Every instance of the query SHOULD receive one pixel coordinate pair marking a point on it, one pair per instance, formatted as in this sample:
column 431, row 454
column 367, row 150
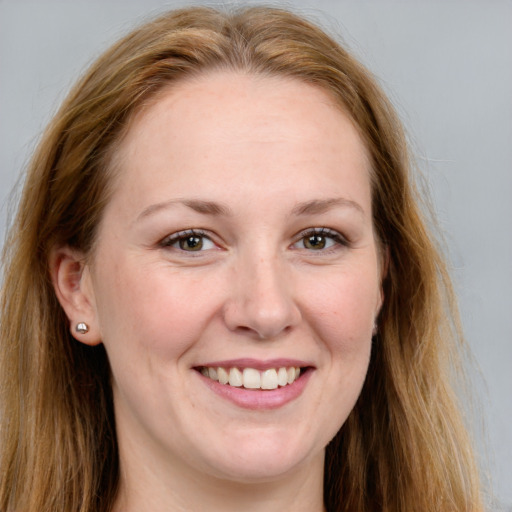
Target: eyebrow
column 318, row 206
column 198, row 205
column 315, row 206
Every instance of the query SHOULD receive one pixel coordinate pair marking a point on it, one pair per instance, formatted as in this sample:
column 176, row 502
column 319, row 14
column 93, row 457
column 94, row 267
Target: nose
column 261, row 301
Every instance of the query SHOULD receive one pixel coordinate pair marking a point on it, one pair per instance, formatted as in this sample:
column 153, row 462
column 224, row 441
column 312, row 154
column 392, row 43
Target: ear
column 384, row 269
column 71, row 280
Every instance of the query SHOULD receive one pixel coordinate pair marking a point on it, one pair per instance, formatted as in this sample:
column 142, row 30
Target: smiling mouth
column 251, row 378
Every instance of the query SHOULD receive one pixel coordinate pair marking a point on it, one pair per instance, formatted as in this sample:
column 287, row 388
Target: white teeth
column 223, row 375
column 235, row 377
column 269, row 379
column 250, row 378
column 282, row 377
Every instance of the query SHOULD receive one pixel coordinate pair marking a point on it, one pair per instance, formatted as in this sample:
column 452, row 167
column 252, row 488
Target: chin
column 270, row 458
column 246, row 471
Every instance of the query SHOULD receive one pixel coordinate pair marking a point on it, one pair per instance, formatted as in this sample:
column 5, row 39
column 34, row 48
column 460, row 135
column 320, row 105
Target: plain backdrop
column 447, row 66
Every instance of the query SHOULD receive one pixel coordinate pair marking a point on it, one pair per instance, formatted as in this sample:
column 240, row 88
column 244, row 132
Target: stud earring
column 375, row 328
column 82, row 328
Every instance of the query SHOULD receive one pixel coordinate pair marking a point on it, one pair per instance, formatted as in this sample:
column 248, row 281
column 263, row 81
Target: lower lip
column 258, row 399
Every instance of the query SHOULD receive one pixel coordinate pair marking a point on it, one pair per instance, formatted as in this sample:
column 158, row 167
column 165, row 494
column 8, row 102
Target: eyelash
column 325, row 233
column 176, row 238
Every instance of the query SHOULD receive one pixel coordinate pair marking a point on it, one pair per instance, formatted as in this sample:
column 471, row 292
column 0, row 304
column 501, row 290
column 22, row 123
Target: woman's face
column 239, row 236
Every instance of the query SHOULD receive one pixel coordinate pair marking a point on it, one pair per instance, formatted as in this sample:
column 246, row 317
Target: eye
column 319, row 239
column 188, row 241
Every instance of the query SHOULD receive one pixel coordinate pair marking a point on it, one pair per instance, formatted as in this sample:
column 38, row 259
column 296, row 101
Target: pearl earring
column 82, row 328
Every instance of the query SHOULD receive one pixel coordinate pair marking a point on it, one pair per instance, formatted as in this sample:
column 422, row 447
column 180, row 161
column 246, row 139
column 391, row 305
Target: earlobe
column 72, row 284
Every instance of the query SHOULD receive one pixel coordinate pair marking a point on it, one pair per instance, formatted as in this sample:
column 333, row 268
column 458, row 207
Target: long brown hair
column 404, row 446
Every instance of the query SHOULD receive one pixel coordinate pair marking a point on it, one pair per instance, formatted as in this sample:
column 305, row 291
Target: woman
column 220, row 292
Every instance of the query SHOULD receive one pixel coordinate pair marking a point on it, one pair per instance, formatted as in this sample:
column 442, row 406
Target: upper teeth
column 251, row 378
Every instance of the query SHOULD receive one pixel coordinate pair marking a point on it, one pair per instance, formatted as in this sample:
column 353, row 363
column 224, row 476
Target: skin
column 262, row 148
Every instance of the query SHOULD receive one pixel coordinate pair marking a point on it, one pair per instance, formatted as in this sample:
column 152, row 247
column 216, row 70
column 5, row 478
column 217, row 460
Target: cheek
column 342, row 313
column 152, row 309
column 343, row 307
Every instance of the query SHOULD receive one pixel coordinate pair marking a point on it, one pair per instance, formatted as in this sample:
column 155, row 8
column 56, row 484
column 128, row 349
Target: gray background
column 447, row 66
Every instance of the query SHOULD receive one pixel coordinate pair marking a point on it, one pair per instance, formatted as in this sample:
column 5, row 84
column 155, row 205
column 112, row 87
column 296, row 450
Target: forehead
column 232, row 127
column 204, row 97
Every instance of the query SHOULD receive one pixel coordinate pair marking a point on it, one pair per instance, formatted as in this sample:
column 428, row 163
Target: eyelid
column 173, row 238
column 336, row 236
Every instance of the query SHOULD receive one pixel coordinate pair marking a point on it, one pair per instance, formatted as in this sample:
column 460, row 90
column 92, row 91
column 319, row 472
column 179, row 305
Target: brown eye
column 191, row 243
column 315, row 242
column 188, row 241
column 320, row 240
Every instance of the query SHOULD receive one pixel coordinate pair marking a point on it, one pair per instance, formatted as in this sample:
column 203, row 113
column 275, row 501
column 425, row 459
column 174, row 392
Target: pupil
column 315, row 242
column 191, row 243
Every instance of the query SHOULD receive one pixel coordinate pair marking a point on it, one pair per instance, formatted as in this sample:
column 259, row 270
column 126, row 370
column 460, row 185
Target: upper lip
column 257, row 364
